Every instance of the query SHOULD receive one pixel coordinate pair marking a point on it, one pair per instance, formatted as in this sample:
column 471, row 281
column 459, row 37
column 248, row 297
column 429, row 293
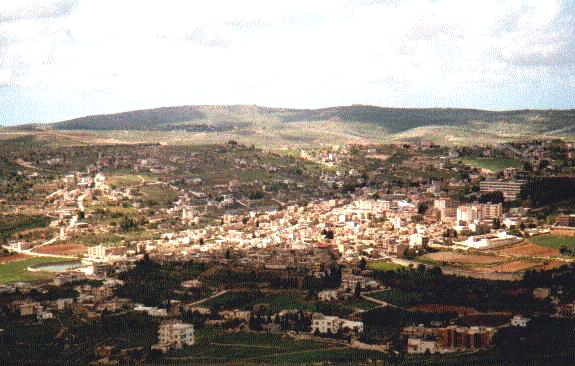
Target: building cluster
column 448, row 339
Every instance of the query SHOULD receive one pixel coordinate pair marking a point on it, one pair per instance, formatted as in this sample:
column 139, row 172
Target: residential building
column 509, row 188
column 324, row 324
column 519, row 321
column 174, row 334
column 420, row 346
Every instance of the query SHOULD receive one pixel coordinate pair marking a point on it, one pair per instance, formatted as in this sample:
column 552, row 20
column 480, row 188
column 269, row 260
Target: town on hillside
column 401, row 253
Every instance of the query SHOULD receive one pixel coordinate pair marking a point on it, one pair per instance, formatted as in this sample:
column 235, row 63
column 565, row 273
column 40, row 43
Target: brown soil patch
column 62, row 249
column 439, row 308
column 525, row 249
column 463, row 258
column 13, row 258
column 513, row 266
column 552, row 265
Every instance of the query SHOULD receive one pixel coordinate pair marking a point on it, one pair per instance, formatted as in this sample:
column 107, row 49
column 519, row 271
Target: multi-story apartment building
column 470, row 213
column 465, row 337
column 492, row 211
column 509, row 188
column 174, row 334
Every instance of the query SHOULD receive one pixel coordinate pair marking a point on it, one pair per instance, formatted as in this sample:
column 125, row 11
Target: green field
column 12, row 224
column 553, row 241
column 495, row 165
column 398, row 298
column 18, row 271
column 383, row 265
column 276, row 302
column 217, row 346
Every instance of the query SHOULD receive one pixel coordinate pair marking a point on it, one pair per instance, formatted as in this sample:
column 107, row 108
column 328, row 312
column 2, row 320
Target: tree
column 362, row 264
column 228, row 254
column 357, row 291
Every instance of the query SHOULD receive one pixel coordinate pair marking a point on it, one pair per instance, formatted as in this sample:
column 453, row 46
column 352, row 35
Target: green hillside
column 335, row 125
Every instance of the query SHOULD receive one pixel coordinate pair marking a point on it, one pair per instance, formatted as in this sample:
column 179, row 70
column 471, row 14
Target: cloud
column 418, row 53
column 26, row 10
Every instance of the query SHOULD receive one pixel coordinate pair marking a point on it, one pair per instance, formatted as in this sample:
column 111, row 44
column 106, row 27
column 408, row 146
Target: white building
column 327, row 295
column 324, row 324
column 97, row 251
column 470, row 213
column 419, row 346
column 174, row 334
column 519, row 321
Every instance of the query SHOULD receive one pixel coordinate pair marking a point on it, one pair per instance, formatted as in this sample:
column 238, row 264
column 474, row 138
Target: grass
column 217, row 346
column 12, row 224
column 495, row 165
column 398, row 297
column 383, row 265
column 158, row 196
column 18, row 271
column 122, row 181
column 553, row 241
column 276, row 302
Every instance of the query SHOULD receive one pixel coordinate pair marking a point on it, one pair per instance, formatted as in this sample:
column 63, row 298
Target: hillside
column 284, row 126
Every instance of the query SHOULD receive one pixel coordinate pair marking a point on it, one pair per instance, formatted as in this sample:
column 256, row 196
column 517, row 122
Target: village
column 331, row 251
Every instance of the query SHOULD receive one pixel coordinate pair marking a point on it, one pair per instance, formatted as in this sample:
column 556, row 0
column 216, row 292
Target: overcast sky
column 61, row 59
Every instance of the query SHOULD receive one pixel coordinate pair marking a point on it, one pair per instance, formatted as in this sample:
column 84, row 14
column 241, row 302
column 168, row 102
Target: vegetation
column 554, row 241
column 18, row 271
column 12, row 224
column 383, row 265
column 398, row 297
column 494, row 165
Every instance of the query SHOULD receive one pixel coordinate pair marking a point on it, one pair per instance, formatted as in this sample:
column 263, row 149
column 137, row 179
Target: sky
column 61, row 59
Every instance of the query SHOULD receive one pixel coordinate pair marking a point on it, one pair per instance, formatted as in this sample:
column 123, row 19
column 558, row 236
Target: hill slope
column 337, row 124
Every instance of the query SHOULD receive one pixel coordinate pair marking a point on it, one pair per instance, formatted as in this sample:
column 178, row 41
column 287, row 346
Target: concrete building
column 509, row 188
column 324, row 324
column 174, row 334
column 420, row 346
column 492, row 211
column 519, row 321
column 465, row 337
column 470, row 213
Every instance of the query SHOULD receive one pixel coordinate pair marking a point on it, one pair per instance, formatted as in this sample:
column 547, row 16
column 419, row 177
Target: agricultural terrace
column 218, row 346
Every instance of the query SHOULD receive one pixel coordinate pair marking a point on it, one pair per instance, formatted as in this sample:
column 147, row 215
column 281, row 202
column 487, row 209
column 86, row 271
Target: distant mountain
column 331, row 125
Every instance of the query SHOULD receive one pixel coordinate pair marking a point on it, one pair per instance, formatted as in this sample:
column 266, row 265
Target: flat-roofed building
column 509, row 188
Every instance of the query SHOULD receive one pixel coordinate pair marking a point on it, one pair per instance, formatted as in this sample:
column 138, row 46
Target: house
column 567, row 309
column 174, row 334
column 324, row 324
column 519, row 321
column 43, row 315
column 327, row 295
column 63, row 303
column 242, row 315
column 541, row 293
column 420, row 346
column 25, row 307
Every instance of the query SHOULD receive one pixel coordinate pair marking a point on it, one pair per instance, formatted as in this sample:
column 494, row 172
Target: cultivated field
column 527, row 249
column 383, row 265
column 554, row 241
column 512, row 266
column 216, row 347
column 18, row 271
column 62, row 249
column 452, row 257
column 13, row 258
column 439, row 308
